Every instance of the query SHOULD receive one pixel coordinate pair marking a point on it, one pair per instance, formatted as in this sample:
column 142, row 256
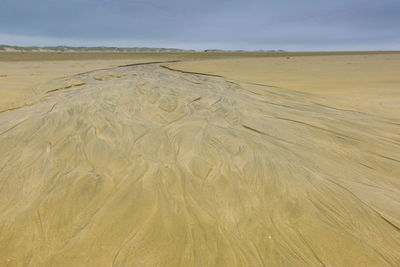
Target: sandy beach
column 231, row 161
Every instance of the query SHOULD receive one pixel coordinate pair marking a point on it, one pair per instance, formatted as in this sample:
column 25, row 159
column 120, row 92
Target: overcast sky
column 294, row 25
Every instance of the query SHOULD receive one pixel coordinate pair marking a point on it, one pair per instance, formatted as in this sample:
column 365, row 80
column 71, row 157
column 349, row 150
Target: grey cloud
column 289, row 24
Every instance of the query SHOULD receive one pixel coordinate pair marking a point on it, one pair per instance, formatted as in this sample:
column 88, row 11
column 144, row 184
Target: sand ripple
column 145, row 166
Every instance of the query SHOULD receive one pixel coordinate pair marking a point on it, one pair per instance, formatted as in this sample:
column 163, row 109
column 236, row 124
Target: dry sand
column 21, row 81
column 369, row 83
column 146, row 166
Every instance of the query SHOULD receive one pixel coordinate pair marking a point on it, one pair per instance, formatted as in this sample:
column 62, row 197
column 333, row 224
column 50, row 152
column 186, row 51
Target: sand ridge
column 146, row 166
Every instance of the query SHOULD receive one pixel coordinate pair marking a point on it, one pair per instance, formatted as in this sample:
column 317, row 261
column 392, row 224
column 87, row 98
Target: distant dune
column 156, row 165
column 103, row 49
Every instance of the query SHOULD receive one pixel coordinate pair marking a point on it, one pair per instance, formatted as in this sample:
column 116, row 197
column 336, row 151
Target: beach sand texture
column 149, row 166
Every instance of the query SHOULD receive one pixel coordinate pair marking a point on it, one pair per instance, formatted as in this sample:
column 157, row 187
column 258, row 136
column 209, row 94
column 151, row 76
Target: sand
column 368, row 83
column 21, row 81
column 148, row 166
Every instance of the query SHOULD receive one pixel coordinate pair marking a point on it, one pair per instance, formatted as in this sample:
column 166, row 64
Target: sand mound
column 144, row 166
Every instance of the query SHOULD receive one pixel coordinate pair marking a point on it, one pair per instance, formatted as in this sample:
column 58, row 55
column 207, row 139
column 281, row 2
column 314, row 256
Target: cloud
column 289, row 24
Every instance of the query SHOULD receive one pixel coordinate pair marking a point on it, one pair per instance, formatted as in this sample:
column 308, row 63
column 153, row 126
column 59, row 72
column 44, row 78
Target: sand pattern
column 146, row 166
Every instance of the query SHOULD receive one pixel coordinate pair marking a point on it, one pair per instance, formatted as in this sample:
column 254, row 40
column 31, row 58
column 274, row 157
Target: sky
column 292, row 25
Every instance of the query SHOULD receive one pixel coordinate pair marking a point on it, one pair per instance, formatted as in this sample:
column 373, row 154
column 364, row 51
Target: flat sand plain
column 367, row 83
column 273, row 164
column 21, row 81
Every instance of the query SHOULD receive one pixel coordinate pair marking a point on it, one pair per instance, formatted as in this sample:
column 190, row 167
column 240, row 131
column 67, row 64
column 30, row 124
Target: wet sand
column 150, row 166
